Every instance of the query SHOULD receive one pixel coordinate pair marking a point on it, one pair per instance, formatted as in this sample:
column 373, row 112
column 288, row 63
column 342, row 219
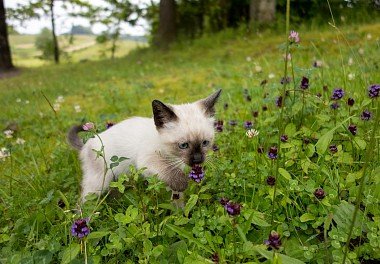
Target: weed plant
column 294, row 175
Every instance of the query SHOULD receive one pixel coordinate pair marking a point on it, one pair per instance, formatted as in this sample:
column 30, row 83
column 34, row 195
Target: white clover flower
column 4, row 153
column 18, row 100
column 361, row 51
column 56, row 107
column 8, row 133
column 258, row 68
column 252, row 133
column 271, row 75
column 77, row 108
column 369, row 36
column 60, row 99
column 248, row 58
column 350, row 61
column 20, row 141
column 26, row 101
column 351, row 76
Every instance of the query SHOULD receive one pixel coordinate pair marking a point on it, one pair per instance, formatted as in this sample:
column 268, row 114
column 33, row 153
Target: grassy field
column 83, row 47
column 306, row 195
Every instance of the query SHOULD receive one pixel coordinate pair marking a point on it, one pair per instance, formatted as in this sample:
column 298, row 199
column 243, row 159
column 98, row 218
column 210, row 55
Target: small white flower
column 258, row 68
column 271, row 75
column 60, row 99
column 318, row 63
column 4, row 153
column 369, row 36
column 20, row 141
column 18, row 100
column 350, row 61
column 8, row 133
column 361, row 51
column 26, row 101
column 248, row 58
column 77, row 108
column 252, row 133
column 351, row 76
column 161, row 91
column 56, row 107
column 342, row 18
column 41, row 114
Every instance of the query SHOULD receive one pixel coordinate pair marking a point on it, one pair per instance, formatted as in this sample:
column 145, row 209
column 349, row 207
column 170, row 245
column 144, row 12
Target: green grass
column 45, row 170
column 83, row 47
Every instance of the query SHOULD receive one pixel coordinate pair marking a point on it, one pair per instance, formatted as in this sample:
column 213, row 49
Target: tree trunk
column 5, row 51
column 55, row 42
column 166, row 32
column 262, row 11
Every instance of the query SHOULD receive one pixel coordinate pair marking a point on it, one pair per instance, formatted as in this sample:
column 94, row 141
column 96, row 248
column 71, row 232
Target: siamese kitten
column 176, row 136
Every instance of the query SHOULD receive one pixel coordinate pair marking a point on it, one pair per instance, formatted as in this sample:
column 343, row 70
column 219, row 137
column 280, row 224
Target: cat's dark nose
column 197, row 158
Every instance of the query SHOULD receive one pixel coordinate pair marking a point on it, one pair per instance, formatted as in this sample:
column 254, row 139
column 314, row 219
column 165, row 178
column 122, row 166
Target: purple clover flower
column 232, row 122
column 223, row 201
column 285, row 80
column 374, row 90
column 219, row 126
column 353, row 129
column 338, row 93
column 272, row 153
column 333, row 148
column 233, row 208
column 350, row 101
column 197, row 173
column 319, row 193
column 284, row 138
column 248, row 124
column 366, row 115
column 109, row 124
column 274, row 240
column 304, row 83
column 88, row 126
column 80, row 228
column 279, row 101
column 215, row 147
column 294, row 37
column 271, row 181
column 334, row 105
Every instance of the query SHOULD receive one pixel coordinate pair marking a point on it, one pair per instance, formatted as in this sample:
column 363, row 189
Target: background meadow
column 289, row 160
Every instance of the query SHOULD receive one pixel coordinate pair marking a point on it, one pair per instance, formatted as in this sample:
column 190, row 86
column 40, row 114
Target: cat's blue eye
column 205, row 143
column 183, row 145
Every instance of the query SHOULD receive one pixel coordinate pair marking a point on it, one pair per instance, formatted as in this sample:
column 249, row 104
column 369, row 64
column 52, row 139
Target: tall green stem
column 359, row 196
column 280, row 126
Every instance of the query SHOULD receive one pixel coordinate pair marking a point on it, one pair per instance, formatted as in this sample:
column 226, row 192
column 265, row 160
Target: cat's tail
column 72, row 137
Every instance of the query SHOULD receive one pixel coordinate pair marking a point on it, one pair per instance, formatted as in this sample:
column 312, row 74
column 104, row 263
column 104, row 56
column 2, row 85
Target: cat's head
column 187, row 130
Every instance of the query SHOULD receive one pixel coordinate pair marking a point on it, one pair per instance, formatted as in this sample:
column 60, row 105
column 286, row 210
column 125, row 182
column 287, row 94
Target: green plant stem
column 280, row 126
column 85, row 252
column 233, row 234
column 359, row 196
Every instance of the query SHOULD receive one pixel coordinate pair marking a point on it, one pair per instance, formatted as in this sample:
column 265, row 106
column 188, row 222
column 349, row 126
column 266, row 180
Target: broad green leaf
column 114, row 164
column 359, row 143
column 290, row 129
column 190, row 204
column 114, row 158
column 324, row 141
column 122, row 159
column 97, row 234
column 186, row 234
column 307, row 217
column 70, row 253
column 284, row 173
column 241, row 233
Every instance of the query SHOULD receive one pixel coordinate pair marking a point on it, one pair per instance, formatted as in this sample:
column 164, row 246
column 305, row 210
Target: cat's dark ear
column 162, row 114
column 209, row 103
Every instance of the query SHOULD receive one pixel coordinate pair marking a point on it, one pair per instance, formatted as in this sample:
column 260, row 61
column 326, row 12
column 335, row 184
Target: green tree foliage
column 44, row 43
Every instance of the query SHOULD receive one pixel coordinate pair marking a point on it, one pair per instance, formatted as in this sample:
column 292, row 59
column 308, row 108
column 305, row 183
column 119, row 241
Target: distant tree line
column 172, row 20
